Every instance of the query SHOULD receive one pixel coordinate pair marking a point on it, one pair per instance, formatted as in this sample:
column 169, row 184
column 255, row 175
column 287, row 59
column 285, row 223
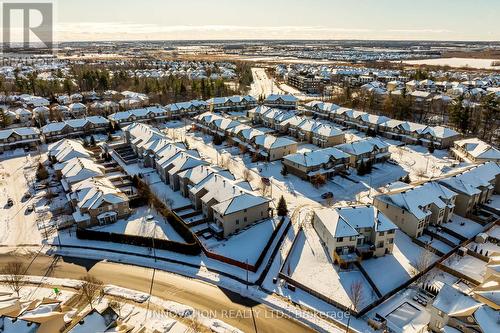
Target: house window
column 380, row 244
column 391, row 240
column 381, row 233
column 237, row 221
column 390, row 232
column 245, row 219
column 244, row 210
column 340, row 239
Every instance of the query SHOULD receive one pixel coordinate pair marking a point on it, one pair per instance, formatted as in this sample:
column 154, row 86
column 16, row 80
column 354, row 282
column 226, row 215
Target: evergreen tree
column 282, row 209
column 284, row 170
column 41, row 172
column 361, row 168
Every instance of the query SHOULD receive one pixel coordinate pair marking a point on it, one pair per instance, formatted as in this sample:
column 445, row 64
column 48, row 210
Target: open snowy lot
column 144, row 222
column 309, row 264
column 246, row 245
column 420, row 164
column 390, row 271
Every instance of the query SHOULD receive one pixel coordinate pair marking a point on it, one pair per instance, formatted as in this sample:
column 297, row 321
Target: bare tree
column 420, row 172
column 424, row 260
column 356, row 294
column 14, row 272
column 247, row 175
column 91, row 289
column 117, row 306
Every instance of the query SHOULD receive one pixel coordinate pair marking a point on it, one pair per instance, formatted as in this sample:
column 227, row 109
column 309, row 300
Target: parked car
column 40, row 187
column 10, row 202
column 27, row 195
column 30, row 209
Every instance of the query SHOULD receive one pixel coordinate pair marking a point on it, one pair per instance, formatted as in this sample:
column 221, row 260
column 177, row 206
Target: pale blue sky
column 269, row 19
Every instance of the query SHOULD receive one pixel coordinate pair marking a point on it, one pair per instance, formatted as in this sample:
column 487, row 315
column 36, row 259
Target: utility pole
column 247, row 271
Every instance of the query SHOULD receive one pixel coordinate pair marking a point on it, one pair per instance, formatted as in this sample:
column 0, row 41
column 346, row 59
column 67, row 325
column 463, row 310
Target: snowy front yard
column 144, row 222
column 310, row 265
column 390, row 271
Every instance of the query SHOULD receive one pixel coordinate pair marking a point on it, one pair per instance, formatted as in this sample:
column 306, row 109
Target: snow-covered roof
column 67, row 149
column 272, row 142
column 363, row 146
column 239, row 203
column 284, row 98
column 21, row 131
column 479, row 149
column 78, row 169
column 316, row 157
column 471, row 180
column 453, row 302
column 91, row 193
column 415, row 199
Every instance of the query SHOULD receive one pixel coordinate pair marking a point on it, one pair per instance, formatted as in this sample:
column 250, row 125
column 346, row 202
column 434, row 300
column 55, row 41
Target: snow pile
column 75, row 284
column 129, row 294
column 219, row 326
column 173, row 307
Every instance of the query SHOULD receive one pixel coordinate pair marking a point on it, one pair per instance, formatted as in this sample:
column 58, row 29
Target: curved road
column 221, row 303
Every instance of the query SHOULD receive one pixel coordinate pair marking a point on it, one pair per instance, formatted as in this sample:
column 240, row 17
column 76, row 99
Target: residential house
column 355, row 232
column 414, row 209
column 474, row 187
column 97, row 201
column 475, row 150
column 74, row 128
column 327, row 161
column 288, row 102
column 274, row 148
column 369, row 150
column 20, row 137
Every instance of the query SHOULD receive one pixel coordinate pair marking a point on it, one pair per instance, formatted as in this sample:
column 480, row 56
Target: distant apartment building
column 308, row 83
column 414, row 209
column 353, row 233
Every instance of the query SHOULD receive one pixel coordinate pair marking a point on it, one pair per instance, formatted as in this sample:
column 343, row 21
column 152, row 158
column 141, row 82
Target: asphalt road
column 230, row 307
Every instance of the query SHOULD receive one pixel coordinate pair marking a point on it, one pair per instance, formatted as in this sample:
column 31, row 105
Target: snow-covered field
column 456, row 62
column 144, row 222
column 420, row 164
column 246, row 245
column 310, row 265
column 390, row 271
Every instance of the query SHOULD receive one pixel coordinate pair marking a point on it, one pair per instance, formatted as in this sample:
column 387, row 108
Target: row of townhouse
column 74, row 128
column 406, row 131
column 475, row 150
column 305, row 129
column 435, row 202
column 139, row 115
column 227, row 205
column 231, row 103
column 20, row 137
column 268, row 146
column 327, row 162
column 333, row 160
column 415, row 209
column 93, row 197
column 353, row 233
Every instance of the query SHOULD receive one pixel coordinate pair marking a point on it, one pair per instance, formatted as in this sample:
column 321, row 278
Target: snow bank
column 173, row 307
column 75, row 284
column 129, row 294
